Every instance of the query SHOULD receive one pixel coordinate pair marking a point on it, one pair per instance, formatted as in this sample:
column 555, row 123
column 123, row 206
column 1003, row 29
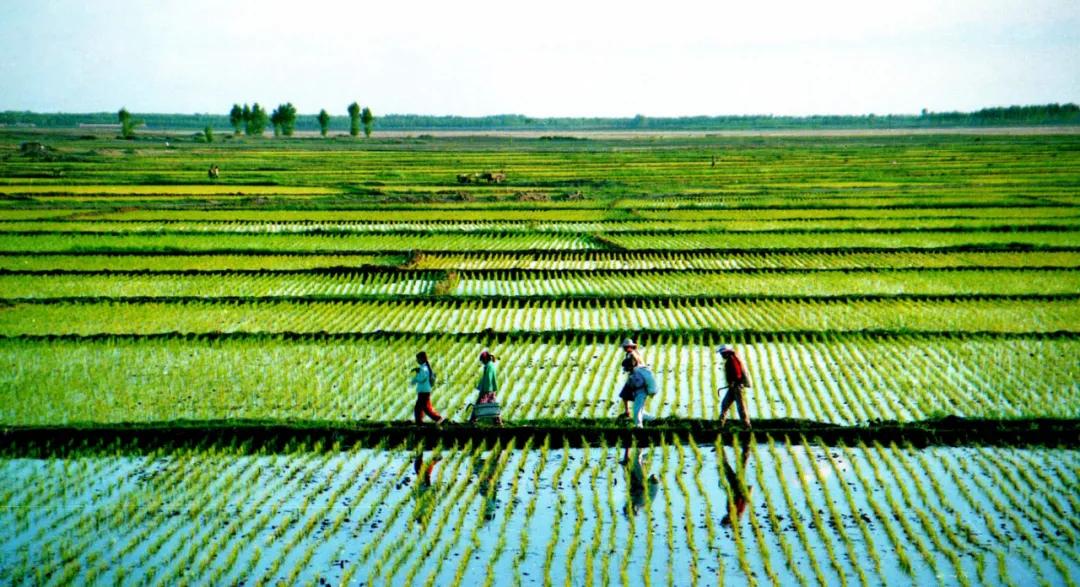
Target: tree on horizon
column 354, row 119
column 324, row 122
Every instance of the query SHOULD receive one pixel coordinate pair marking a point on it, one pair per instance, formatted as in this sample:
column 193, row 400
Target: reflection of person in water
column 638, row 485
column 736, row 483
column 422, row 490
column 484, row 469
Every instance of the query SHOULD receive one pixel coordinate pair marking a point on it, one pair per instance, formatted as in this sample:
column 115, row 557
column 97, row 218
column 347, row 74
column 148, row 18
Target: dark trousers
column 423, row 406
column 734, row 395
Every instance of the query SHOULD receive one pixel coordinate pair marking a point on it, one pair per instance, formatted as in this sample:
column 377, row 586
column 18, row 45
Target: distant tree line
column 359, row 119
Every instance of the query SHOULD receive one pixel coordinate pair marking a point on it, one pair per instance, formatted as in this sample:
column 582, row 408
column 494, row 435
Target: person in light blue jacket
column 423, row 380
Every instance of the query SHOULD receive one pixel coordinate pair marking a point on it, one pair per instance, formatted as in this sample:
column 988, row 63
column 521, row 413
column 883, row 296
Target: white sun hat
column 725, row 348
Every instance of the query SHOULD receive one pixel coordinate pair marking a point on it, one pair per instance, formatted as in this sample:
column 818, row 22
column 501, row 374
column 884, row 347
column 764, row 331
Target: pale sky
column 552, row 58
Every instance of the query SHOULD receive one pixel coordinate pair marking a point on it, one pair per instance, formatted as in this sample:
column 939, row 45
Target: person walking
column 631, row 350
column 488, row 385
column 640, row 385
column 423, row 380
column 737, row 381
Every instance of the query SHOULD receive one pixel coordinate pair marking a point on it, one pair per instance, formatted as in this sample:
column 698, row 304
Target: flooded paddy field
column 533, row 512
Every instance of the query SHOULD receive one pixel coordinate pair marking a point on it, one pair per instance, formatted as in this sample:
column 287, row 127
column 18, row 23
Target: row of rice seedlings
column 315, row 462
column 711, row 536
column 730, row 491
column 451, row 223
column 692, row 283
column 650, row 523
column 668, row 551
column 48, row 505
column 688, row 508
column 444, row 507
column 852, row 409
column 794, row 379
column 929, row 496
column 990, row 524
column 952, row 545
column 446, row 225
column 488, row 477
column 557, row 518
column 593, row 549
column 913, row 536
column 685, row 260
column 45, row 505
column 530, row 510
column 295, row 243
column 95, row 516
column 1008, row 483
column 758, row 529
column 536, row 212
column 184, row 262
column 995, row 495
column 374, row 498
column 789, row 501
column 394, row 553
column 245, row 285
column 320, row 515
column 1034, row 474
column 207, row 492
column 544, row 212
column 871, row 548
column 919, row 506
column 579, row 517
column 298, row 470
column 510, row 509
column 382, row 514
column 345, row 380
column 817, row 522
column 964, row 516
column 220, row 539
column 773, row 512
column 111, row 493
column 1022, row 315
column 473, row 498
column 810, row 240
column 866, row 382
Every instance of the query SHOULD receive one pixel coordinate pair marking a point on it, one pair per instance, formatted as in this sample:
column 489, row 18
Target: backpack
column 650, row 382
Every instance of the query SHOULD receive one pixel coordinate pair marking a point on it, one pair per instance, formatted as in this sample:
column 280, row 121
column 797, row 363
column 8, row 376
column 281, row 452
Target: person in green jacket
column 489, row 382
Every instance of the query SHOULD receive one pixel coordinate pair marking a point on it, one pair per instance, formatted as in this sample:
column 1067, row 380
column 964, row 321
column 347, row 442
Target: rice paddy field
column 206, row 382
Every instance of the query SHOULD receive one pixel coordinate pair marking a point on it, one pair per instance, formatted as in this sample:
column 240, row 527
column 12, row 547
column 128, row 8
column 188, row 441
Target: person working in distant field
column 488, row 385
column 632, row 352
column 423, row 380
column 737, row 381
column 640, row 385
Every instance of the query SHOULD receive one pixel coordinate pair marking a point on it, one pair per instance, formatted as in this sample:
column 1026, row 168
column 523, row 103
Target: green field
column 869, row 282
